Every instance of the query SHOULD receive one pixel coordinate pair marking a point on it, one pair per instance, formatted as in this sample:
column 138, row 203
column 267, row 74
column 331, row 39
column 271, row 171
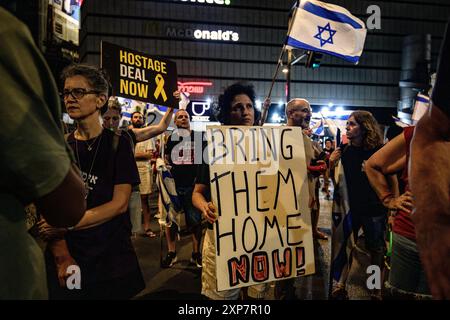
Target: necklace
column 86, row 182
column 89, row 146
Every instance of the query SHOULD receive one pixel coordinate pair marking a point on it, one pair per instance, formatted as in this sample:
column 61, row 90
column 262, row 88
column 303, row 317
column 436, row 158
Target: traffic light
column 313, row 60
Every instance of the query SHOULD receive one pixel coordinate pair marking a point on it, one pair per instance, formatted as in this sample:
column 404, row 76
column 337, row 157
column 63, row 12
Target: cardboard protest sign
column 139, row 76
column 259, row 185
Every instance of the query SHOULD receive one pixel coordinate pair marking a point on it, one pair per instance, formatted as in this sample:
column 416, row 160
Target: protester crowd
column 102, row 176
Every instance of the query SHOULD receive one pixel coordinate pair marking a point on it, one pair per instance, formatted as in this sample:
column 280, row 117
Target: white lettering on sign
column 259, row 185
column 197, row 105
column 219, row 2
column 198, row 34
column 200, row 118
column 193, row 87
column 216, row 35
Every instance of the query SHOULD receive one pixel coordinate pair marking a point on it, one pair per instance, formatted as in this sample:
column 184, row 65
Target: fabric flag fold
column 327, row 28
column 335, row 123
column 171, row 205
column 400, row 123
column 318, row 128
column 342, row 241
column 421, row 107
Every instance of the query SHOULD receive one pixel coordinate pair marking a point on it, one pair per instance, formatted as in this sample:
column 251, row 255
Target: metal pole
column 288, row 76
column 265, row 109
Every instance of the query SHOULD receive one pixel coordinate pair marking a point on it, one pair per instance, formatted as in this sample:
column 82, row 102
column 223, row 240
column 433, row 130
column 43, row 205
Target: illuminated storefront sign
column 219, row 2
column 193, row 87
column 200, row 110
column 219, row 35
column 216, row 35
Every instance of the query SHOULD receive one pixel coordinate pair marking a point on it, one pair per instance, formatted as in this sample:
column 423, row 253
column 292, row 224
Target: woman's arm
column 149, row 132
column 387, row 161
column 105, row 212
column 62, row 258
column 145, row 155
column 208, row 209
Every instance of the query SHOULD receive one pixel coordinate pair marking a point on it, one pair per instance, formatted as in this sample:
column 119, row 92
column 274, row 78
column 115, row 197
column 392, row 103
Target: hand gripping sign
column 139, row 76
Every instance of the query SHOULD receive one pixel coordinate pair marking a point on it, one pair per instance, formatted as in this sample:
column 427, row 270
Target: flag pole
column 265, row 108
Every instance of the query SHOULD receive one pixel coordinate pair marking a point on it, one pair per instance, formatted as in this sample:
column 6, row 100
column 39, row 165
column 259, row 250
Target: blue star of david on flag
column 327, row 28
column 321, row 31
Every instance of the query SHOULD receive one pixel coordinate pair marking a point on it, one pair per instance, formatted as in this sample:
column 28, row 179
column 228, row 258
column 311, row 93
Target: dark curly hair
column 97, row 78
column 372, row 137
column 227, row 97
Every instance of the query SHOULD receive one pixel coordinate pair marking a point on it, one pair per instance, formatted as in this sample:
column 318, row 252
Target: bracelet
column 388, row 195
column 70, row 228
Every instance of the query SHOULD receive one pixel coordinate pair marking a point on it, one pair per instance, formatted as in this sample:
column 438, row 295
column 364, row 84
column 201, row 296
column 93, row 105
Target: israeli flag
column 400, row 123
column 336, row 123
column 317, row 127
column 127, row 108
column 171, row 204
column 342, row 241
column 327, row 28
column 421, row 107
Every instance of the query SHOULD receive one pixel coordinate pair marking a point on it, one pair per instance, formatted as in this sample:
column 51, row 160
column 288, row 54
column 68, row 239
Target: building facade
column 221, row 41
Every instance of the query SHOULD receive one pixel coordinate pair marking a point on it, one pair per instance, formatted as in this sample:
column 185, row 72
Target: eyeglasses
column 78, row 93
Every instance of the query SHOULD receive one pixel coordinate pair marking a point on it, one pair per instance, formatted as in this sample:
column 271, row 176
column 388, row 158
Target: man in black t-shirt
column 182, row 148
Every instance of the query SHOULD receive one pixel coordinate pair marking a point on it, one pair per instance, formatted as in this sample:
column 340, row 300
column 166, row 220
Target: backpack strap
column 115, row 142
column 112, row 154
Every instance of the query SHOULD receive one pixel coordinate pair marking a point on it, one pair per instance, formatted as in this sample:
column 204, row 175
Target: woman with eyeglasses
column 100, row 243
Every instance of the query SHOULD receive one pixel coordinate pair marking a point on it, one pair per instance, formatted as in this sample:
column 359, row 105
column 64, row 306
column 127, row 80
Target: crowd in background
column 91, row 186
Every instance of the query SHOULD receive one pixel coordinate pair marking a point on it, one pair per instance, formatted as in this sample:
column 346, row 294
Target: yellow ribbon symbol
column 160, row 87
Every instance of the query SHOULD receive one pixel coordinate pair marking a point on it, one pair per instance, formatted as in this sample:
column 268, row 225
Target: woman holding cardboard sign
column 236, row 108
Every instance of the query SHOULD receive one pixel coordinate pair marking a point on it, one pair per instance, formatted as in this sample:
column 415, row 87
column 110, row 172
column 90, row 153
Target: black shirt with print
column 185, row 154
column 104, row 251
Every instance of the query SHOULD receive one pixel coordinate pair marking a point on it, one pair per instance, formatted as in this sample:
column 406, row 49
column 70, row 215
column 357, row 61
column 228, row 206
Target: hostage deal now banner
column 259, row 185
column 139, row 76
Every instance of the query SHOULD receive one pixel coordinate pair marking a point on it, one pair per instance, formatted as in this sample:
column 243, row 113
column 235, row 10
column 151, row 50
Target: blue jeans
column 407, row 274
